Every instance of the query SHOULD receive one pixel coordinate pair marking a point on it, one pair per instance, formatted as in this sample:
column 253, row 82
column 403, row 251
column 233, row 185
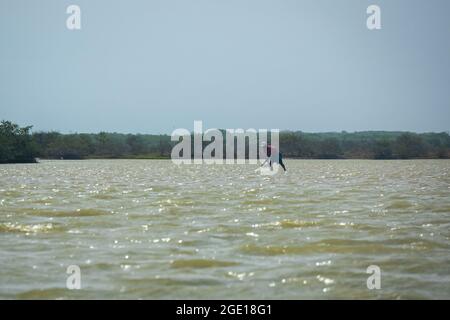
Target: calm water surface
column 150, row 229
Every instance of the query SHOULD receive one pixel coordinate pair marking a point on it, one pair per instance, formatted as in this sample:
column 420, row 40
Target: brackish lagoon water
column 149, row 229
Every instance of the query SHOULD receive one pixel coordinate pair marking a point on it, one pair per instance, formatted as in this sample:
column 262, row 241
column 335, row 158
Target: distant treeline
column 20, row 145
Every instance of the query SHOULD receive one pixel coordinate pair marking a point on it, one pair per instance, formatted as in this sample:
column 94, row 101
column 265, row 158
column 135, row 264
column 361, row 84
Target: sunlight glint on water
column 150, row 229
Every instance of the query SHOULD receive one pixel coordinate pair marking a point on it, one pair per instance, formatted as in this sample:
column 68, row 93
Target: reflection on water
column 150, row 229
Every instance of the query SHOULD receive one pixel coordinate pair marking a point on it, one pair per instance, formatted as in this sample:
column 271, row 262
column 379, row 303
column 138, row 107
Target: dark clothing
column 271, row 150
column 280, row 161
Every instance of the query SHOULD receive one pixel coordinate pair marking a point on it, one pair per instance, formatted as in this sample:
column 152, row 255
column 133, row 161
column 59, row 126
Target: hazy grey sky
column 152, row 66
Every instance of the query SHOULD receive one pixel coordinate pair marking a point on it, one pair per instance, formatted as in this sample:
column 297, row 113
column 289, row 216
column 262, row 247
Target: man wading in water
column 273, row 156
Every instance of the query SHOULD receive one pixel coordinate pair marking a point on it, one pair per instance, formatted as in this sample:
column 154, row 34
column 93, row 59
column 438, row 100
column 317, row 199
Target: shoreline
column 167, row 158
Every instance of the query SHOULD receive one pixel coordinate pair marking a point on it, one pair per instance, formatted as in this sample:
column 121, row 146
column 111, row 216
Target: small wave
column 263, row 201
column 162, row 283
column 201, row 263
column 296, row 223
column 419, row 243
column 325, row 246
column 443, row 209
column 26, row 228
column 104, row 197
column 271, row 250
column 75, row 213
column 399, row 204
column 50, row 293
column 288, row 224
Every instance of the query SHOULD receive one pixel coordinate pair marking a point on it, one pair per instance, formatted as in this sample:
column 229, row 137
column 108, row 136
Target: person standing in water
column 273, row 156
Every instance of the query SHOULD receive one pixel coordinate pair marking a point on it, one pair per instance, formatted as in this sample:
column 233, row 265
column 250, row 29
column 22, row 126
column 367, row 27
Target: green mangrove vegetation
column 20, row 144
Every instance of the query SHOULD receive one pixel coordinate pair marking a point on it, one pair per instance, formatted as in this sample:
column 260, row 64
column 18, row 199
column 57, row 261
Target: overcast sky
column 152, row 66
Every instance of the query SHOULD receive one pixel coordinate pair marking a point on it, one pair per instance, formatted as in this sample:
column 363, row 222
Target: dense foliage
column 365, row 145
column 16, row 143
column 19, row 145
